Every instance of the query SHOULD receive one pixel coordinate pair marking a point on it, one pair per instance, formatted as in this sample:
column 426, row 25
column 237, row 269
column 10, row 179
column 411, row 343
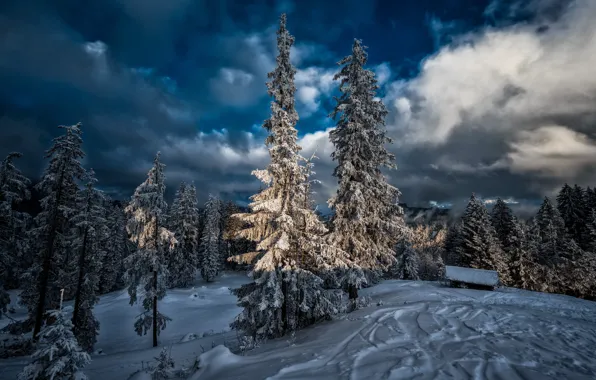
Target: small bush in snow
column 59, row 356
column 164, row 369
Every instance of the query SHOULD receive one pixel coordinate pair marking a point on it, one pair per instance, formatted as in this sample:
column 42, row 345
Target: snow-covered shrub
column 164, row 368
column 59, row 356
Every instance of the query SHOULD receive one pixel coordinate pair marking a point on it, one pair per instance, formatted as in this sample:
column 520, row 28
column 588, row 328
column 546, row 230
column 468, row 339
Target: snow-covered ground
column 421, row 331
column 207, row 309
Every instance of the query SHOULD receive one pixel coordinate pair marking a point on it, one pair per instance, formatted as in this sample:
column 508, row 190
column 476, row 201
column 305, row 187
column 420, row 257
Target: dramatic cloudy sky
column 493, row 97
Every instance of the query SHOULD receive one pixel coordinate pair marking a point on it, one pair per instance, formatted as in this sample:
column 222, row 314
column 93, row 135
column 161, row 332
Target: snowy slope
column 204, row 310
column 421, row 331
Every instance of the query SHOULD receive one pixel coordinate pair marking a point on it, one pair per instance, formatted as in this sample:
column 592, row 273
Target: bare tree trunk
column 77, row 305
column 155, row 285
column 44, row 276
column 155, row 309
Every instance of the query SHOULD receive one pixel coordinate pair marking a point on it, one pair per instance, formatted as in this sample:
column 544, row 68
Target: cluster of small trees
column 299, row 268
column 555, row 251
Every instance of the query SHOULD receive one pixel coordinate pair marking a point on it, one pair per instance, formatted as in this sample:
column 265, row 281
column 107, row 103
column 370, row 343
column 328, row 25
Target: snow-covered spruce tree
column 13, row 190
column 590, row 201
column 502, row 221
column 184, row 221
column 59, row 188
column 285, row 294
column 89, row 232
column 235, row 245
column 367, row 220
column 479, row 247
column 407, row 264
column 452, row 244
column 59, row 356
column 428, row 242
column 116, row 250
column 516, row 256
column 147, row 266
column 553, row 234
column 591, row 231
column 210, row 245
column 164, row 369
column 531, row 271
column 571, row 206
column 173, row 209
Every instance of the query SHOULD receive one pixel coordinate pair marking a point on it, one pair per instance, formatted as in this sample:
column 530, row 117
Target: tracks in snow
column 439, row 340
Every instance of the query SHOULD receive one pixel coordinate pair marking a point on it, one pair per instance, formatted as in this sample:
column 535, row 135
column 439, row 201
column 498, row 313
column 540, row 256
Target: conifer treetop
column 13, row 184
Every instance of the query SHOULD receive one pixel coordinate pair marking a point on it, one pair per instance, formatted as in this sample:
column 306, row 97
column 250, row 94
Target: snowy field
column 421, row 331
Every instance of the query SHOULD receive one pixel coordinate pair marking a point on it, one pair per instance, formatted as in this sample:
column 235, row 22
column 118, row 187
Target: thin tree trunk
column 155, row 309
column 77, row 305
column 155, row 285
column 47, row 262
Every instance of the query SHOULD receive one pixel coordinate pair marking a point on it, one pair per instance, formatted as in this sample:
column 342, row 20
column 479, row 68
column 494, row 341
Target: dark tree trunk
column 155, row 285
column 155, row 309
column 284, row 306
column 44, row 276
column 77, row 305
column 353, row 292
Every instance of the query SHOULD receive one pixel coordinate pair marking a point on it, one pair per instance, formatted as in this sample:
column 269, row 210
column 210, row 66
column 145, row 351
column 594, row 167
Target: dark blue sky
column 187, row 77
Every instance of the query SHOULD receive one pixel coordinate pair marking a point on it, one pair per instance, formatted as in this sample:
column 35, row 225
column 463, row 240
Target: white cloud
column 551, row 72
column 235, row 77
column 506, row 90
column 97, row 50
column 383, row 73
column 552, row 151
column 309, row 96
column 312, row 83
column 448, row 164
column 252, row 56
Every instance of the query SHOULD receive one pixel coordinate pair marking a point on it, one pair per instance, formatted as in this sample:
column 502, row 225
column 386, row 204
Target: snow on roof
column 472, row 276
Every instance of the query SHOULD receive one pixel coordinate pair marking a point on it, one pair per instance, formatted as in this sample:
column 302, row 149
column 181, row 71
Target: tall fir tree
column 13, row 190
column 210, row 240
column 504, row 224
column 147, row 266
column 112, row 271
column 591, row 232
column 367, row 220
column 284, row 295
column 553, row 234
column 532, row 272
column 452, row 244
column 479, row 244
column 517, row 260
column 58, row 355
column 89, row 235
column 59, row 188
column 408, row 264
column 502, row 221
column 184, row 220
column 235, row 245
column 571, row 206
column 590, row 200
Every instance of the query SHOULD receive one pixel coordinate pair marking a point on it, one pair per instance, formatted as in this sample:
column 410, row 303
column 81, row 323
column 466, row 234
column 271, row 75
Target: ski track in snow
column 432, row 340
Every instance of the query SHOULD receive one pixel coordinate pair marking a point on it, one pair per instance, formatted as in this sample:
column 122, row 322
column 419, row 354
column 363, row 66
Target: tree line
column 82, row 244
column 554, row 251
